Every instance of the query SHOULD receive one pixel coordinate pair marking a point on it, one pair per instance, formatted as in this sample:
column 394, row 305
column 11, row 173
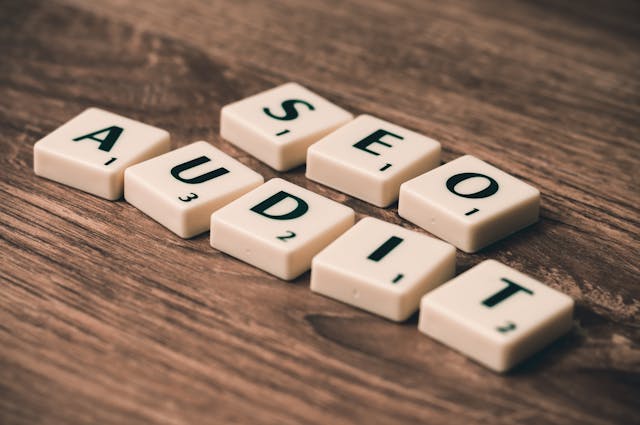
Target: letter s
column 289, row 107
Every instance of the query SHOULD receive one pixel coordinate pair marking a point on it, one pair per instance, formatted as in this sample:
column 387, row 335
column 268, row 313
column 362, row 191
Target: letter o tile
column 469, row 203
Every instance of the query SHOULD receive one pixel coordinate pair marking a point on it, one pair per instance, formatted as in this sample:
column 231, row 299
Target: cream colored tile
column 91, row 151
column 279, row 227
column 369, row 158
column 382, row 268
column 495, row 315
column 469, row 203
column 278, row 125
column 181, row 188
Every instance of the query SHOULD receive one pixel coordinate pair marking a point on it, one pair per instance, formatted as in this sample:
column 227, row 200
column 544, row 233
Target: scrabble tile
column 495, row 315
column 382, row 268
column 278, row 125
column 469, row 203
column 91, row 151
column 279, row 227
column 369, row 158
column 181, row 188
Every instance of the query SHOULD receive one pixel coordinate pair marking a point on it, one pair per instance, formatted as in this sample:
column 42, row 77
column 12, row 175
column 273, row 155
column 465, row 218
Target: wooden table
column 106, row 317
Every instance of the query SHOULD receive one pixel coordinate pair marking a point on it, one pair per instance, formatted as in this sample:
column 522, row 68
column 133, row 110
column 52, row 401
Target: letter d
column 301, row 208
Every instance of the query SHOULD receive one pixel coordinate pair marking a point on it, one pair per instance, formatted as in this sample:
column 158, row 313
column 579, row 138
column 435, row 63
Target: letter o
column 453, row 181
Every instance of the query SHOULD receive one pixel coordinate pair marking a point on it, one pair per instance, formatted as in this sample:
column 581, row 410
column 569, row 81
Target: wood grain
column 107, row 317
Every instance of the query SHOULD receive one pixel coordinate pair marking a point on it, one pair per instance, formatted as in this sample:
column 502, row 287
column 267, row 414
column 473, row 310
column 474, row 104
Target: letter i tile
column 382, row 268
column 279, row 227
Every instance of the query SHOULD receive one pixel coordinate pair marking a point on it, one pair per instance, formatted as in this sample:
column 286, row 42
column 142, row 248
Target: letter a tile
column 91, row 151
column 495, row 315
column 278, row 125
column 279, row 227
column 181, row 188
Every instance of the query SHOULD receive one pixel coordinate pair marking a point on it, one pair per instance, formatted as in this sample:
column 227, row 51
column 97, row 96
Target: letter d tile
column 279, row 227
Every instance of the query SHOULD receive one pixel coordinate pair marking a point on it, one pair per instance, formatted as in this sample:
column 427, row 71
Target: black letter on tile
column 175, row 171
column 375, row 137
column 290, row 112
column 511, row 289
column 299, row 210
column 484, row 193
column 385, row 248
column 107, row 143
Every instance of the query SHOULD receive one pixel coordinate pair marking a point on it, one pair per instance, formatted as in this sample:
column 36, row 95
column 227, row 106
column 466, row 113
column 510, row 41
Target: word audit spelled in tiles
column 495, row 314
column 91, row 151
column 278, row 125
column 382, row 268
column 369, row 158
column 279, row 227
column 469, row 203
column 181, row 188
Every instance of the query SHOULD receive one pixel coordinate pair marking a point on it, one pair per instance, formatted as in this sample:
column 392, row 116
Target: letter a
column 108, row 141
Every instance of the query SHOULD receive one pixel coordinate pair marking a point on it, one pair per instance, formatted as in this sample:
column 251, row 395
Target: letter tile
column 369, row 158
column 495, row 315
column 279, row 227
column 278, row 125
column 469, row 203
column 91, row 151
column 182, row 188
column 382, row 268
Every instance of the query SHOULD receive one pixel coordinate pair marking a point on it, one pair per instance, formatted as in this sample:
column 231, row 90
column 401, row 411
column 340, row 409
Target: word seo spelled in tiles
column 491, row 313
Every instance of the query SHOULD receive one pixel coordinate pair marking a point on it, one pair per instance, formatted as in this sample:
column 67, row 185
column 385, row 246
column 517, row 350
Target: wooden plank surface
column 107, row 317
